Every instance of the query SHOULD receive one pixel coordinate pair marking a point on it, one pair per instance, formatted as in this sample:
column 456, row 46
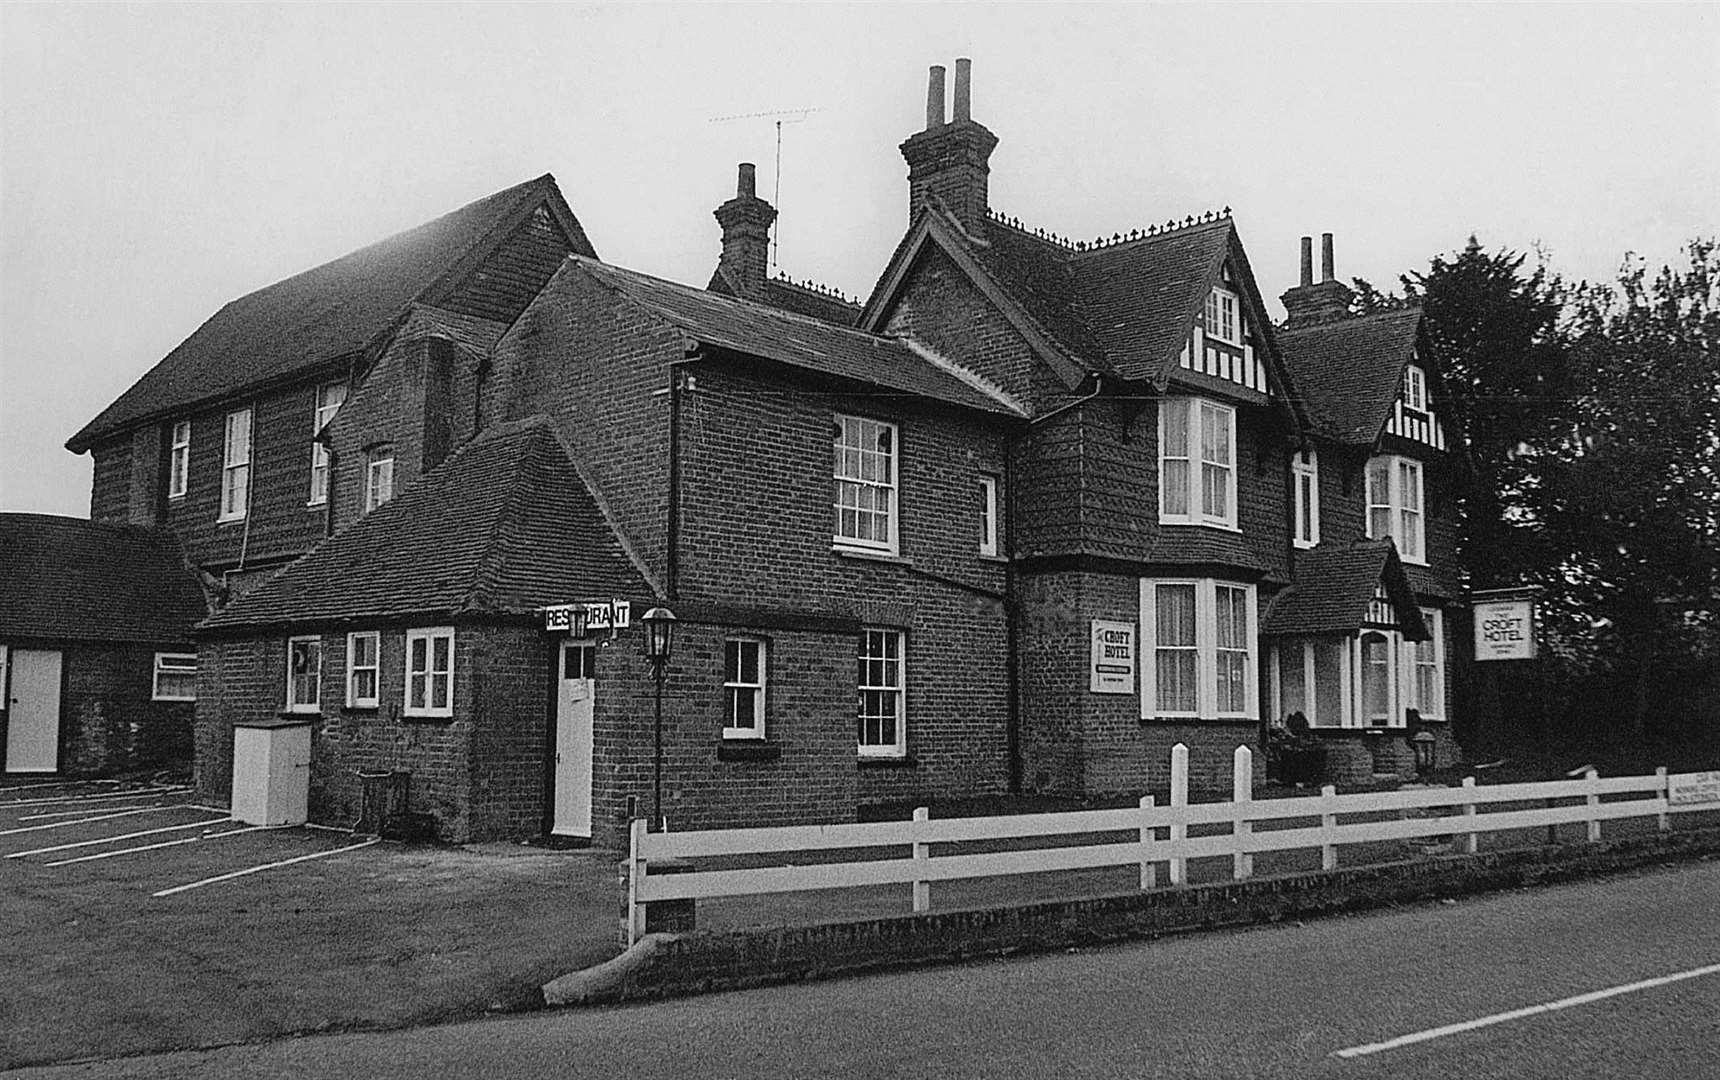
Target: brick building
column 97, row 662
column 1030, row 515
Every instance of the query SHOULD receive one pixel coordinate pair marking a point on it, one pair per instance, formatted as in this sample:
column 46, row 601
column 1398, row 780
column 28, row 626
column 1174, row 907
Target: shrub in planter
column 1293, row 754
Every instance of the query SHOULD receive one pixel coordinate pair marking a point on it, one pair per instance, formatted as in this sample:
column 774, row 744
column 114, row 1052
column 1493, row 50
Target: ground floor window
column 1198, row 651
column 304, row 674
column 743, row 687
column 1368, row 679
column 363, row 666
column 883, row 722
column 430, row 672
column 175, row 677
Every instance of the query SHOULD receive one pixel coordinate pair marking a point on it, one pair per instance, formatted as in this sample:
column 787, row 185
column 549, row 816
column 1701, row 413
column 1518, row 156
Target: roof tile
column 71, row 579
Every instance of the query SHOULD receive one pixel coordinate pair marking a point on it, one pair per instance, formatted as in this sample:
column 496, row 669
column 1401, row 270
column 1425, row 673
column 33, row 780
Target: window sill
column 1197, row 721
column 1001, row 560
column 869, row 554
column 224, row 522
column 372, row 709
column 881, row 762
column 307, row 715
column 426, row 718
column 747, row 750
column 1214, row 526
column 1305, row 545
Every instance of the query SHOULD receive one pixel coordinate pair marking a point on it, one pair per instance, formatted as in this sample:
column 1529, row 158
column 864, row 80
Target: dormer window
column 1197, row 463
column 1223, row 317
column 1414, row 389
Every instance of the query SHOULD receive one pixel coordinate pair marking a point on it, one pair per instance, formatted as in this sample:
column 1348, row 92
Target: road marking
column 82, row 810
column 83, row 821
column 116, row 839
column 260, row 869
column 55, row 783
column 164, row 843
column 1518, row 1014
column 142, row 793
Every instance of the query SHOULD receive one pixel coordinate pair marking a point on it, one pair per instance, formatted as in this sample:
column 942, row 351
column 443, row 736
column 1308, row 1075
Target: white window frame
column 856, row 435
column 1415, row 388
column 1223, row 316
column 1435, row 620
column 733, row 682
column 883, row 636
column 378, row 478
column 1206, row 651
column 179, row 460
column 988, row 540
column 329, row 398
column 294, row 704
column 355, row 700
column 165, row 664
column 1409, row 520
column 236, row 467
column 1198, row 413
column 1305, row 497
column 430, row 673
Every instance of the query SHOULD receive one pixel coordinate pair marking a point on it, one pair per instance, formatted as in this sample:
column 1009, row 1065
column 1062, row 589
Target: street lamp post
column 659, row 643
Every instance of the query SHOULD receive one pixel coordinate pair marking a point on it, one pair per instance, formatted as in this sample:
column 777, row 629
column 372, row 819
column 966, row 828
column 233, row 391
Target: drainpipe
column 672, row 538
column 1098, row 386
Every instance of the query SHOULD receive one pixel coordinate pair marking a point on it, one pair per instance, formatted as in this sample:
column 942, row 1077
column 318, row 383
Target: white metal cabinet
column 272, row 772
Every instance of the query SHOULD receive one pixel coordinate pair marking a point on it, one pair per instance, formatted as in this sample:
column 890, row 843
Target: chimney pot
column 1307, row 260
column 935, row 98
column 746, row 185
column 964, row 91
column 1326, row 273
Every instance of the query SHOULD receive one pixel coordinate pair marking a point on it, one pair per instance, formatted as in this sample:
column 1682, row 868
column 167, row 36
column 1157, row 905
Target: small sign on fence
column 1689, row 789
column 1113, row 657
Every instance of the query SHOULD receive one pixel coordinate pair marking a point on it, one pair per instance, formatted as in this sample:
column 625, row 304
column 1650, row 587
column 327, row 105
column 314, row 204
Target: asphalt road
column 1274, row 1002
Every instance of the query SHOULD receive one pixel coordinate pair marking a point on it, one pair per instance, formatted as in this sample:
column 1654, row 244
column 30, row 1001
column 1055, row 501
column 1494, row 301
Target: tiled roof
column 1195, row 545
column 504, row 526
column 1350, row 370
column 71, row 579
column 797, row 340
column 1334, row 586
column 796, row 297
column 320, row 315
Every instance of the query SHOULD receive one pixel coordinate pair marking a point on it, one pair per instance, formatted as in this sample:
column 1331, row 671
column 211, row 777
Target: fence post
column 1179, row 822
column 1241, row 804
column 1329, row 828
column 1664, row 820
column 922, row 852
column 1149, row 870
column 1471, row 840
column 1592, row 778
column 636, row 871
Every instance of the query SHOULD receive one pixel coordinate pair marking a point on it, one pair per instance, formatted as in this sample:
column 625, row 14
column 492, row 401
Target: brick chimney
column 1311, row 303
column 948, row 160
column 746, row 221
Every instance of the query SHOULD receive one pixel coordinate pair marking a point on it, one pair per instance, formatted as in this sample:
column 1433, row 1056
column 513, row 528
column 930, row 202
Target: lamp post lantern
column 659, row 644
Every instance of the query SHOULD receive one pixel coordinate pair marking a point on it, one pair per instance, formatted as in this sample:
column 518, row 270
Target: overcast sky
column 157, row 161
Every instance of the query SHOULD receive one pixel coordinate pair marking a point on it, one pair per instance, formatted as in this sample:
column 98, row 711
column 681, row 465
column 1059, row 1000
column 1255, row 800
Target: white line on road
column 164, row 843
column 116, row 839
column 1518, row 1014
column 83, row 821
column 54, row 783
column 260, row 869
column 80, row 810
column 141, row 793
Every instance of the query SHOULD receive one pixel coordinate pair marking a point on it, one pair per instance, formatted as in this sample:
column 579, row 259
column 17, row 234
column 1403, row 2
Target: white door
column 577, row 688
column 33, row 713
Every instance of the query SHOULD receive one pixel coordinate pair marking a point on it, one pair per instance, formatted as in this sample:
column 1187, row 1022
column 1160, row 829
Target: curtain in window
column 1175, row 648
column 1174, row 460
column 1232, row 649
column 1214, row 461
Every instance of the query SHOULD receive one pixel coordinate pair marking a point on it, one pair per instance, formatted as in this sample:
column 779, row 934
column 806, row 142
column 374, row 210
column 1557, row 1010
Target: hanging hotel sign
column 1505, row 629
column 1113, row 657
column 578, row 620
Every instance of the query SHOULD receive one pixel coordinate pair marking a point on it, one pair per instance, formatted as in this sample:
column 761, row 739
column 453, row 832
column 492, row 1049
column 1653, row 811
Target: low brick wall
column 704, row 961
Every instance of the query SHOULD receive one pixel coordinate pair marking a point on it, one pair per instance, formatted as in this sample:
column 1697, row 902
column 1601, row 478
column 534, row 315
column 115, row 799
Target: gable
column 501, row 286
column 1351, row 371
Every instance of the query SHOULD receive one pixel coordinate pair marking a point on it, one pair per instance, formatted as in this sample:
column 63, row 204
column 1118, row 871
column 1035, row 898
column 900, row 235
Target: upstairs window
column 1195, row 433
column 1305, row 481
column 865, row 472
column 379, row 478
column 988, row 515
column 430, row 672
column 175, row 677
column 329, row 399
column 1394, row 505
column 1223, row 320
column 883, row 724
column 743, row 687
column 179, row 460
column 1414, row 389
column 304, row 674
column 236, row 467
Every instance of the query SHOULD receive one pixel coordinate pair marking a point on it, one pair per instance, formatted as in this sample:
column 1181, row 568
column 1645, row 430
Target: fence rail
column 1146, row 836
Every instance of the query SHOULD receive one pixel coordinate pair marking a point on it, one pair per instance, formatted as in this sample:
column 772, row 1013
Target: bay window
column 1197, row 463
column 1199, row 651
column 1395, row 505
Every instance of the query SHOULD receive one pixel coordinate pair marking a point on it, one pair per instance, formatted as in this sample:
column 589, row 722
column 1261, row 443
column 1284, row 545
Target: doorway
column 33, row 712
column 576, row 694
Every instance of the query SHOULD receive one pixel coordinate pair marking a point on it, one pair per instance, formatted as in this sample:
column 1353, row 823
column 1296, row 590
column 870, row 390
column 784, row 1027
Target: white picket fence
column 1156, row 835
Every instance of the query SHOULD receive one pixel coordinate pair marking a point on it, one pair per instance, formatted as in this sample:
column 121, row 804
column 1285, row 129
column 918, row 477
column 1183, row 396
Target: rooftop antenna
column 781, row 117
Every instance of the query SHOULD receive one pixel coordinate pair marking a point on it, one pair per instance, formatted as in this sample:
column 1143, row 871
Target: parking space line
column 116, row 839
column 163, row 844
column 1518, row 1014
column 54, row 783
column 140, row 793
column 260, row 869
column 85, row 821
column 75, row 813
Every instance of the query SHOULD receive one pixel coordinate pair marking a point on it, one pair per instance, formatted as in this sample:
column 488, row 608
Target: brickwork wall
column 110, row 482
column 111, row 724
column 506, row 282
column 236, row 681
column 148, row 483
